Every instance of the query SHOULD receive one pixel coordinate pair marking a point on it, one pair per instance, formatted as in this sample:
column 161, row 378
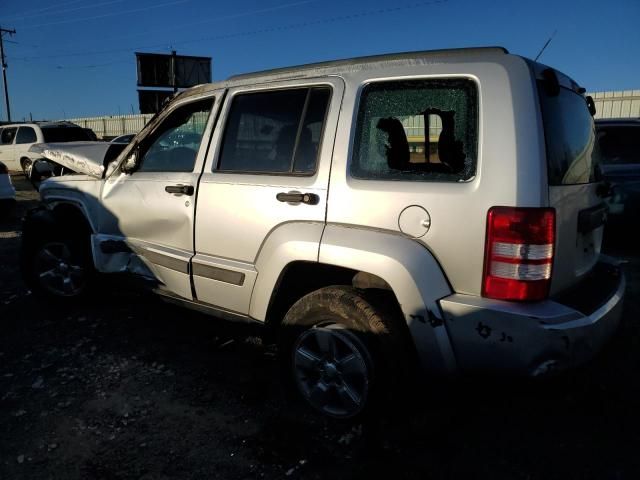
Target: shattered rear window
column 421, row 130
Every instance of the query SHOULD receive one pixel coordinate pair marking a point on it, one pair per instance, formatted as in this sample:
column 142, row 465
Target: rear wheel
column 339, row 352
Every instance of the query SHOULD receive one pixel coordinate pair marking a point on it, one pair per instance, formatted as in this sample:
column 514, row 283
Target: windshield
column 572, row 150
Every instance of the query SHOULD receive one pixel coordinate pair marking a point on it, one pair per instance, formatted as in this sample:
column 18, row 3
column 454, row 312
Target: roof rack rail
column 370, row 59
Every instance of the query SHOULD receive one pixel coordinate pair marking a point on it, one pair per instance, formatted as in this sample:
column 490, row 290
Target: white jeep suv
column 434, row 209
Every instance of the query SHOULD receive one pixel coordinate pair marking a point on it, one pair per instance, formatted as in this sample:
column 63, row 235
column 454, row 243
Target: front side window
column 26, row 135
column 424, row 130
column 174, row 145
column 275, row 132
column 7, row 136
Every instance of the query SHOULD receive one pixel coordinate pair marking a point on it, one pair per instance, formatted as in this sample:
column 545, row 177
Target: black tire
column 368, row 337
column 57, row 267
column 27, row 167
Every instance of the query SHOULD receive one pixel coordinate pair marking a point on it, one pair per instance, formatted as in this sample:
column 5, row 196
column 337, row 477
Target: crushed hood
column 89, row 158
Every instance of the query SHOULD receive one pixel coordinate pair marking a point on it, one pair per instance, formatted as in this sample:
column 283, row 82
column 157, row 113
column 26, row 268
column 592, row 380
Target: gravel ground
column 132, row 388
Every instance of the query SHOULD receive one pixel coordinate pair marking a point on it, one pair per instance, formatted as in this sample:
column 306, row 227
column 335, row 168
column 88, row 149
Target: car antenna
column 545, row 45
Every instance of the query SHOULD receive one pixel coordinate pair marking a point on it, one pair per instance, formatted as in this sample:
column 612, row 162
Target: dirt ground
column 132, row 388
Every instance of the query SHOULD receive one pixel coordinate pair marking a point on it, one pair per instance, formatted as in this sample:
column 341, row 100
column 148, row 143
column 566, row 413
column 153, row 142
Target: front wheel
column 339, row 352
column 58, row 269
column 27, row 167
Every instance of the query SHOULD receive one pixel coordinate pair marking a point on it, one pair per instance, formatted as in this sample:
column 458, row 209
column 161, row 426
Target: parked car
column 619, row 140
column 7, row 192
column 17, row 139
column 433, row 209
column 124, row 138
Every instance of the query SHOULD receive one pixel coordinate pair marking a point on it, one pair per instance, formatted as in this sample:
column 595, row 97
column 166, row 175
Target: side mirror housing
column 131, row 162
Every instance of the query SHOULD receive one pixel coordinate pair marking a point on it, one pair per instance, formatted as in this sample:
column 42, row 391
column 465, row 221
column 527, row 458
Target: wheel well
column 301, row 278
column 22, row 161
column 71, row 218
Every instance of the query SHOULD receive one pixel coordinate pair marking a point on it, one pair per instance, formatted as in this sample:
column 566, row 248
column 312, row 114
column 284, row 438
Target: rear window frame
column 355, row 130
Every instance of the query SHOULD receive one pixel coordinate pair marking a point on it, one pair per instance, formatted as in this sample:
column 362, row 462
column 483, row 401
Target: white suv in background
column 16, row 139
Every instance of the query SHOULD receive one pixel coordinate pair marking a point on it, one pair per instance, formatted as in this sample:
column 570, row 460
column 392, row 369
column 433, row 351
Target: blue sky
column 75, row 58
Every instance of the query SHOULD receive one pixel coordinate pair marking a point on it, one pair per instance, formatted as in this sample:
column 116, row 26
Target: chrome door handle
column 179, row 189
column 297, row 197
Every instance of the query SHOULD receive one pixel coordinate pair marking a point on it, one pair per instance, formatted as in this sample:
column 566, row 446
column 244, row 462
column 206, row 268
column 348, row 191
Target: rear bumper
column 536, row 338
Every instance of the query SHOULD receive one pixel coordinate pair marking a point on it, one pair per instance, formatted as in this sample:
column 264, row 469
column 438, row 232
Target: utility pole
column 174, row 71
column 4, row 70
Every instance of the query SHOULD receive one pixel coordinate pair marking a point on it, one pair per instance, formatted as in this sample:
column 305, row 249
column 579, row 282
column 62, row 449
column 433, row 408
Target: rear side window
column 64, row 134
column 26, row 135
column 572, row 150
column 275, row 132
column 421, row 130
column 619, row 145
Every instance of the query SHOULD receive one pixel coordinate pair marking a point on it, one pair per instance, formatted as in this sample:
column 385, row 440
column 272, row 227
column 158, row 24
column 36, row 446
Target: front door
column 152, row 208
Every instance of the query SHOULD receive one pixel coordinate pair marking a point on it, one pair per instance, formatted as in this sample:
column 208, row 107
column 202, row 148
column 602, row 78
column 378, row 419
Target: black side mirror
column 591, row 105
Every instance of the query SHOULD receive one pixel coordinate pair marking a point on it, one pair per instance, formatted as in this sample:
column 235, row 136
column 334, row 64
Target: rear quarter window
column 26, row 135
column 7, row 135
column 420, row 130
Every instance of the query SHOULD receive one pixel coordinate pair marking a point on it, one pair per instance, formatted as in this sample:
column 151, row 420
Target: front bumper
column 535, row 338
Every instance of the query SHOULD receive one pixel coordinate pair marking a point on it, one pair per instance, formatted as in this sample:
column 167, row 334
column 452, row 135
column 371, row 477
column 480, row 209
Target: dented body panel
column 536, row 338
column 413, row 275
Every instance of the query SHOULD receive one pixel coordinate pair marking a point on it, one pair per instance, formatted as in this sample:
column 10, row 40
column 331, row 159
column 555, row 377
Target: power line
column 277, row 28
column 219, row 18
column 69, row 10
column 104, row 15
column 201, row 22
column 52, row 7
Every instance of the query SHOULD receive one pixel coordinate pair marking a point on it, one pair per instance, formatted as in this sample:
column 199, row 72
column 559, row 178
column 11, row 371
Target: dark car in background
column 619, row 141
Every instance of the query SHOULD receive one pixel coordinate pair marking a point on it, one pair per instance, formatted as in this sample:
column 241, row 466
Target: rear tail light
column 519, row 253
column 3, row 169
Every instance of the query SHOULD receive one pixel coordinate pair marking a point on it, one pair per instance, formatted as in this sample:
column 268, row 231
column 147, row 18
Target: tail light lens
column 3, row 169
column 519, row 253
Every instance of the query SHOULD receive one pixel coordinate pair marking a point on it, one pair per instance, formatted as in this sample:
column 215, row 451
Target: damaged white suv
column 438, row 209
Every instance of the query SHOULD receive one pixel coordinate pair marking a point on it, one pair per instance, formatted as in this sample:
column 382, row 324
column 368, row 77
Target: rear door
column 572, row 160
column 270, row 168
column 25, row 137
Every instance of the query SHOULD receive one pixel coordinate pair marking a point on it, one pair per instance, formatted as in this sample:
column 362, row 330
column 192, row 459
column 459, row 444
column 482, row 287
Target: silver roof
column 337, row 67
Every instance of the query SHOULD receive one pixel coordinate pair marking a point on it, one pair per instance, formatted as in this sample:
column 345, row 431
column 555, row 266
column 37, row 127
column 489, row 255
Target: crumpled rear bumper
column 536, row 338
